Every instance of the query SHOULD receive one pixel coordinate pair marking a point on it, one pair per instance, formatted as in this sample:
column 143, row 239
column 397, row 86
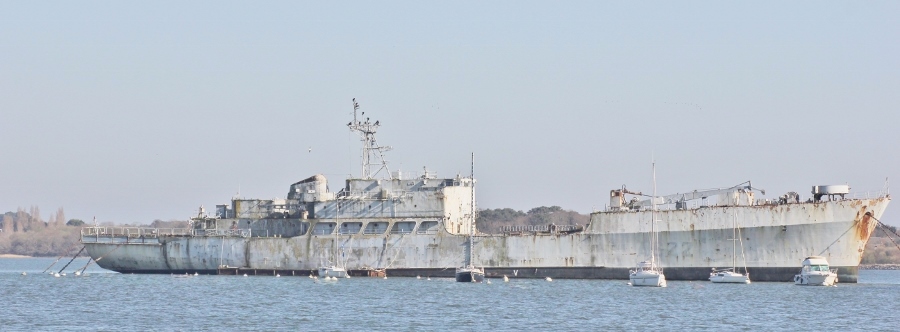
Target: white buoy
column 63, row 274
column 310, row 276
column 245, row 274
column 505, row 278
column 418, row 277
column 548, row 279
column 277, row 275
column 347, row 277
column 385, row 277
column 628, row 283
column 196, row 274
column 429, row 278
column 77, row 273
column 488, row 282
column 24, row 273
column 56, row 275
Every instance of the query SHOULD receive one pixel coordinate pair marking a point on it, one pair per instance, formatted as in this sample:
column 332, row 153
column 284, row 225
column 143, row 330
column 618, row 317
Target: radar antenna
column 372, row 153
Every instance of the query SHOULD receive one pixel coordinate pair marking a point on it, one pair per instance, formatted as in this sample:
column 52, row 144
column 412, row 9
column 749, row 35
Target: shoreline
column 879, row 266
column 13, row 256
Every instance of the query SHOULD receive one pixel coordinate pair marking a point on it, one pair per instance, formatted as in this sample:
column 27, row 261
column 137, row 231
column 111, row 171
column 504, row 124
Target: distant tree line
column 26, row 233
column 493, row 220
column 883, row 246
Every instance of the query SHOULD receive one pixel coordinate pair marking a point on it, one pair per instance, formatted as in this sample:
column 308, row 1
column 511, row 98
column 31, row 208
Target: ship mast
column 372, row 153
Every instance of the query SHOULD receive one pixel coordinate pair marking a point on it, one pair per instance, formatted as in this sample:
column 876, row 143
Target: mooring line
column 70, row 261
column 884, row 229
column 60, row 257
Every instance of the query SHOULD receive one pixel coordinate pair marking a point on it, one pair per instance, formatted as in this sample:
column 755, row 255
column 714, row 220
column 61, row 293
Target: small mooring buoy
column 505, row 278
column 548, row 279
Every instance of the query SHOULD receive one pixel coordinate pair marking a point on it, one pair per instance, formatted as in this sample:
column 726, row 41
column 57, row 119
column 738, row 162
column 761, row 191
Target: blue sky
column 134, row 112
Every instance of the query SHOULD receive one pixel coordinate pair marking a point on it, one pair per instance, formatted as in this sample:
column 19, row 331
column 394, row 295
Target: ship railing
column 372, row 195
column 222, row 232
column 867, row 194
column 538, row 228
column 371, row 231
column 323, row 231
column 128, row 234
column 849, row 196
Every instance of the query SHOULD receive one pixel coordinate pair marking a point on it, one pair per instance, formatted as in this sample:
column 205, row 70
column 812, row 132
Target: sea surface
column 103, row 300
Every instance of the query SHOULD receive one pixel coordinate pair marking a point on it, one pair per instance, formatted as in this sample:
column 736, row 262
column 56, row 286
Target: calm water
column 103, row 300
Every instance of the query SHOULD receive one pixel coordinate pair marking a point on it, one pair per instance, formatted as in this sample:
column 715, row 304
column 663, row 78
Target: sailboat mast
column 653, row 237
column 733, row 241
column 472, row 212
column 337, row 224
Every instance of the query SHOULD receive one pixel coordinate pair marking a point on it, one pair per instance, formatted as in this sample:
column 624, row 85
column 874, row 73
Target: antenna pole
column 366, row 131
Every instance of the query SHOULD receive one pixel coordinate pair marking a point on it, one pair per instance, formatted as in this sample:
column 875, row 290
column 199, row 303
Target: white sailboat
column 333, row 270
column 470, row 273
column 731, row 275
column 648, row 273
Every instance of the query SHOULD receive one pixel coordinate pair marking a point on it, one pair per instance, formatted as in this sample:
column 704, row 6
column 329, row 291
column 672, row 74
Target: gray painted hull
column 776, row 239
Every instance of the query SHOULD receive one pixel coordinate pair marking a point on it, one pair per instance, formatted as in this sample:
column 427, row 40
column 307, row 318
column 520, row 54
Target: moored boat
column 815, row 272
column 731, row 275
column 648, row 273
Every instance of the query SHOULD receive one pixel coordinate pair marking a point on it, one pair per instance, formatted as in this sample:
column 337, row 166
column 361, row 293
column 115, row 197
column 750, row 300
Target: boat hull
column 334, row 272
column 647, row 279
column 816, row 279
column 729, row 278
column 469, row 276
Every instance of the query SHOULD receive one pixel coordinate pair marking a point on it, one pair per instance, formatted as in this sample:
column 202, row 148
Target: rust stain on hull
column 863, row 223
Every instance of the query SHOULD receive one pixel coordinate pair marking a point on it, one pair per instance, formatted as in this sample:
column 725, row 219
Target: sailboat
column 470, row 273
column 333, row 270
column 648, row 273
column 731, row 275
